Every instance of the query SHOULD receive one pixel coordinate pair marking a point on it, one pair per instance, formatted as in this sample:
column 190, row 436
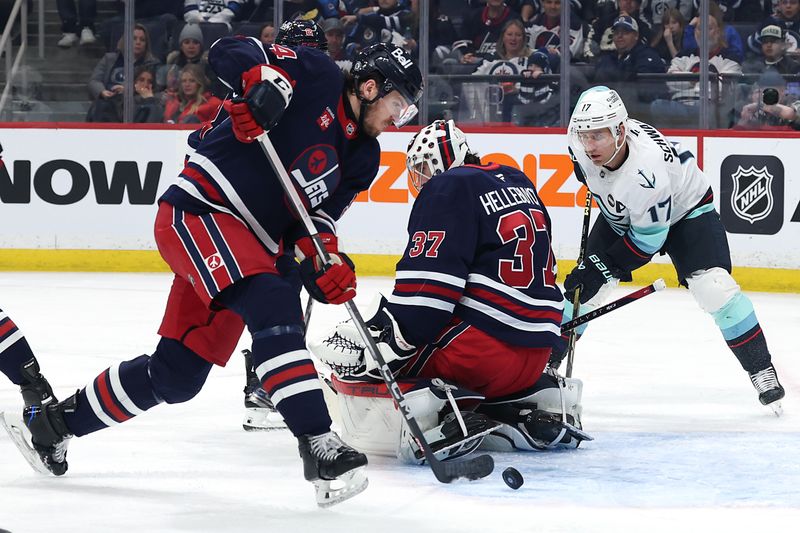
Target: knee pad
column 712, row 288
column 176, row 372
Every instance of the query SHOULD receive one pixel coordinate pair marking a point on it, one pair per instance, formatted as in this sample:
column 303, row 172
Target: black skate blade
column 21, row 438
column 471, row 469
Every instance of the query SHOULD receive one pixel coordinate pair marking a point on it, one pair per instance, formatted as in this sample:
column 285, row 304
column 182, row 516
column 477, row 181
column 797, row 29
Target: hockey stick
column 576, row 299
column 656, row 286
column 445, row 472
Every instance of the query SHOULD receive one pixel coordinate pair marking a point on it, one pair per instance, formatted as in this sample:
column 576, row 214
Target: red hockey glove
column 267, row 92
column 333, row 283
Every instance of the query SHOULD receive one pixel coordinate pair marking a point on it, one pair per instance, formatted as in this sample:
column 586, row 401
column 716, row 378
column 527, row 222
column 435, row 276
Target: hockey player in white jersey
column 656, row 200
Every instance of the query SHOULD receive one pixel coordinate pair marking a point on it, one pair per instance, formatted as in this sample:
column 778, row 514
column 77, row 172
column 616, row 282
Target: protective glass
column 401, row 110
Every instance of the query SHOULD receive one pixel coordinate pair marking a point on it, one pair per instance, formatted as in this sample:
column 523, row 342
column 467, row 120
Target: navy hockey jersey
column 479, row 249
column 317, row 140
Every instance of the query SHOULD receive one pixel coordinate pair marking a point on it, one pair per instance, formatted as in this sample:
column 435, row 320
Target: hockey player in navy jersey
column 654, row 199
column 223, row 226
column 20, row 366
column 475, row 302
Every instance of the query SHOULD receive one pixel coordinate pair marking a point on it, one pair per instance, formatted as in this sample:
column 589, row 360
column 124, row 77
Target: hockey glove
column 591, row 274
column 267, row 93
column 345, row 352
column 333, row 283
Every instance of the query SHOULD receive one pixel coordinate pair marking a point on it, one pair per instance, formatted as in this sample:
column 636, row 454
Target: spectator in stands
column 733, row 41
column 191, row 51
column 193, row 103
column 786, row 16
column 511, row 58
column 107, row 82
column 334, row 35
column 481, row 31
column 773, row 54
column 441, row 33
column 267, row 33
column 600, row 36
column 219, row 11
column 545, row 29
column 148, row 105
column 686, row 94
column 654, row 11
column 668, row 39
column 742, row 10
column 73, row 19
column 761, row 116
column 631, row 57
column 388, row 22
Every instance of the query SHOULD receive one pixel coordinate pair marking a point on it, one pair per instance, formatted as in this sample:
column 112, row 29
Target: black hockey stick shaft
column 445, row 472
column 576, row 300
column 656, row 286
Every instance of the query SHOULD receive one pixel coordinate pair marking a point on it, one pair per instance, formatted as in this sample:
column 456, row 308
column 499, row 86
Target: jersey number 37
column 525, row 227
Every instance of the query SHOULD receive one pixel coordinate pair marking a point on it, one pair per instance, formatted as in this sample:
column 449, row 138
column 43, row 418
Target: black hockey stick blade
column 471, row 469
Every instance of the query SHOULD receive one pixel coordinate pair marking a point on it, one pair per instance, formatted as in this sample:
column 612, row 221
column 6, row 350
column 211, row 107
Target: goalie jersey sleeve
column 479, row 250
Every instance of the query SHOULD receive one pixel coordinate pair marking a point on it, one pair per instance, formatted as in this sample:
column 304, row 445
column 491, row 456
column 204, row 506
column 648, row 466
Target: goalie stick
column 445, row 472
column 656, row 286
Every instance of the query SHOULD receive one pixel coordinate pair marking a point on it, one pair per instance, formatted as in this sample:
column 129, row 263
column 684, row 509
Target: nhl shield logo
column 752, row 198
column 752, row 194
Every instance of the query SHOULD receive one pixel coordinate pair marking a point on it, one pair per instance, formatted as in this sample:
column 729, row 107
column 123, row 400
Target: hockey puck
column 513, row 478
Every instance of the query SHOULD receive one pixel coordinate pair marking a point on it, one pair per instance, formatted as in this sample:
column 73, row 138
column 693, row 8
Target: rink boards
column 79, row 198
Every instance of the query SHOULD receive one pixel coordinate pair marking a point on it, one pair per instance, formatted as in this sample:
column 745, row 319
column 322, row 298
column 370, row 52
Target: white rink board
column 376, row 226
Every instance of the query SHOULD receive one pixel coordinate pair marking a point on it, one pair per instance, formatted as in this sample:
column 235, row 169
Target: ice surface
column 682, row 443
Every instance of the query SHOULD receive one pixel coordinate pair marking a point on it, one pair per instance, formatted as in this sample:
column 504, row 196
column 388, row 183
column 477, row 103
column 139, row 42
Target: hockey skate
column 42, row 437
column 260, row 412
column 770, row 391
column 336, row 470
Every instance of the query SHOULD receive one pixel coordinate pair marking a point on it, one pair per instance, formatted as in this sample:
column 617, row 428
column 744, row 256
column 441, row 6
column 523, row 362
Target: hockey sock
column 14, row 350
column 740, row 328
column 286, row 372
column 118, row 394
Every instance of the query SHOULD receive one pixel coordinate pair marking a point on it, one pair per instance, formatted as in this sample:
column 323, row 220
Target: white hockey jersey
column 655, row 187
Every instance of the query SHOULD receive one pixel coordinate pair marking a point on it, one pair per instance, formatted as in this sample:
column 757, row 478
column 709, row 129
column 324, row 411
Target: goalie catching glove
column 333, row 283
column 267, row 92
column 344, row 351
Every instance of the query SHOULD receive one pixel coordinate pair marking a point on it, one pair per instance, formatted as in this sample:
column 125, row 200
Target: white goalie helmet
column 599, row 108
column 434, row 149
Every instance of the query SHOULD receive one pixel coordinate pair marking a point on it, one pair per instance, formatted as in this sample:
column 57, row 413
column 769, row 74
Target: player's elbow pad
column 269, row 98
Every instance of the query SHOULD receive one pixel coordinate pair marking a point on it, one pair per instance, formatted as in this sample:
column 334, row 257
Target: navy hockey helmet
column 302, row 33
column 397, row 72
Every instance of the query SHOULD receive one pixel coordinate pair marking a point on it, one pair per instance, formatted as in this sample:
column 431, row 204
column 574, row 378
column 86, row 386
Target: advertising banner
column 95, row 189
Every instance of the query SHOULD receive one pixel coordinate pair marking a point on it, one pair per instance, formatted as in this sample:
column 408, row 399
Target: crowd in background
column 639, row 47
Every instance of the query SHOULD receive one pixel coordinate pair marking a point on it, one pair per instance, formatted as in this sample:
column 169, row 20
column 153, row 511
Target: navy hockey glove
column 333, row 283
column 589, row 275
column 267, row 92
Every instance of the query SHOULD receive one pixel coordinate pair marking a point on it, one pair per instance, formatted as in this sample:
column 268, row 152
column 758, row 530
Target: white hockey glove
column 344, row 351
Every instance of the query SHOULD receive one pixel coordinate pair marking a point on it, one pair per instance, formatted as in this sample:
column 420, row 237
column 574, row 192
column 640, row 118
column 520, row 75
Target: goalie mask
column 435, row 149
column 598, row 109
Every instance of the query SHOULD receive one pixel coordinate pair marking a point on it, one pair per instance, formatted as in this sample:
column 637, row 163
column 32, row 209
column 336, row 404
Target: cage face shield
column 433, row 150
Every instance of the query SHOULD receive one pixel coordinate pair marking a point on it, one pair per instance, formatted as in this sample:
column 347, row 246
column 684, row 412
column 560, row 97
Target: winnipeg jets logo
column 752, row 199
column 649, row 183
column 213, row 262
